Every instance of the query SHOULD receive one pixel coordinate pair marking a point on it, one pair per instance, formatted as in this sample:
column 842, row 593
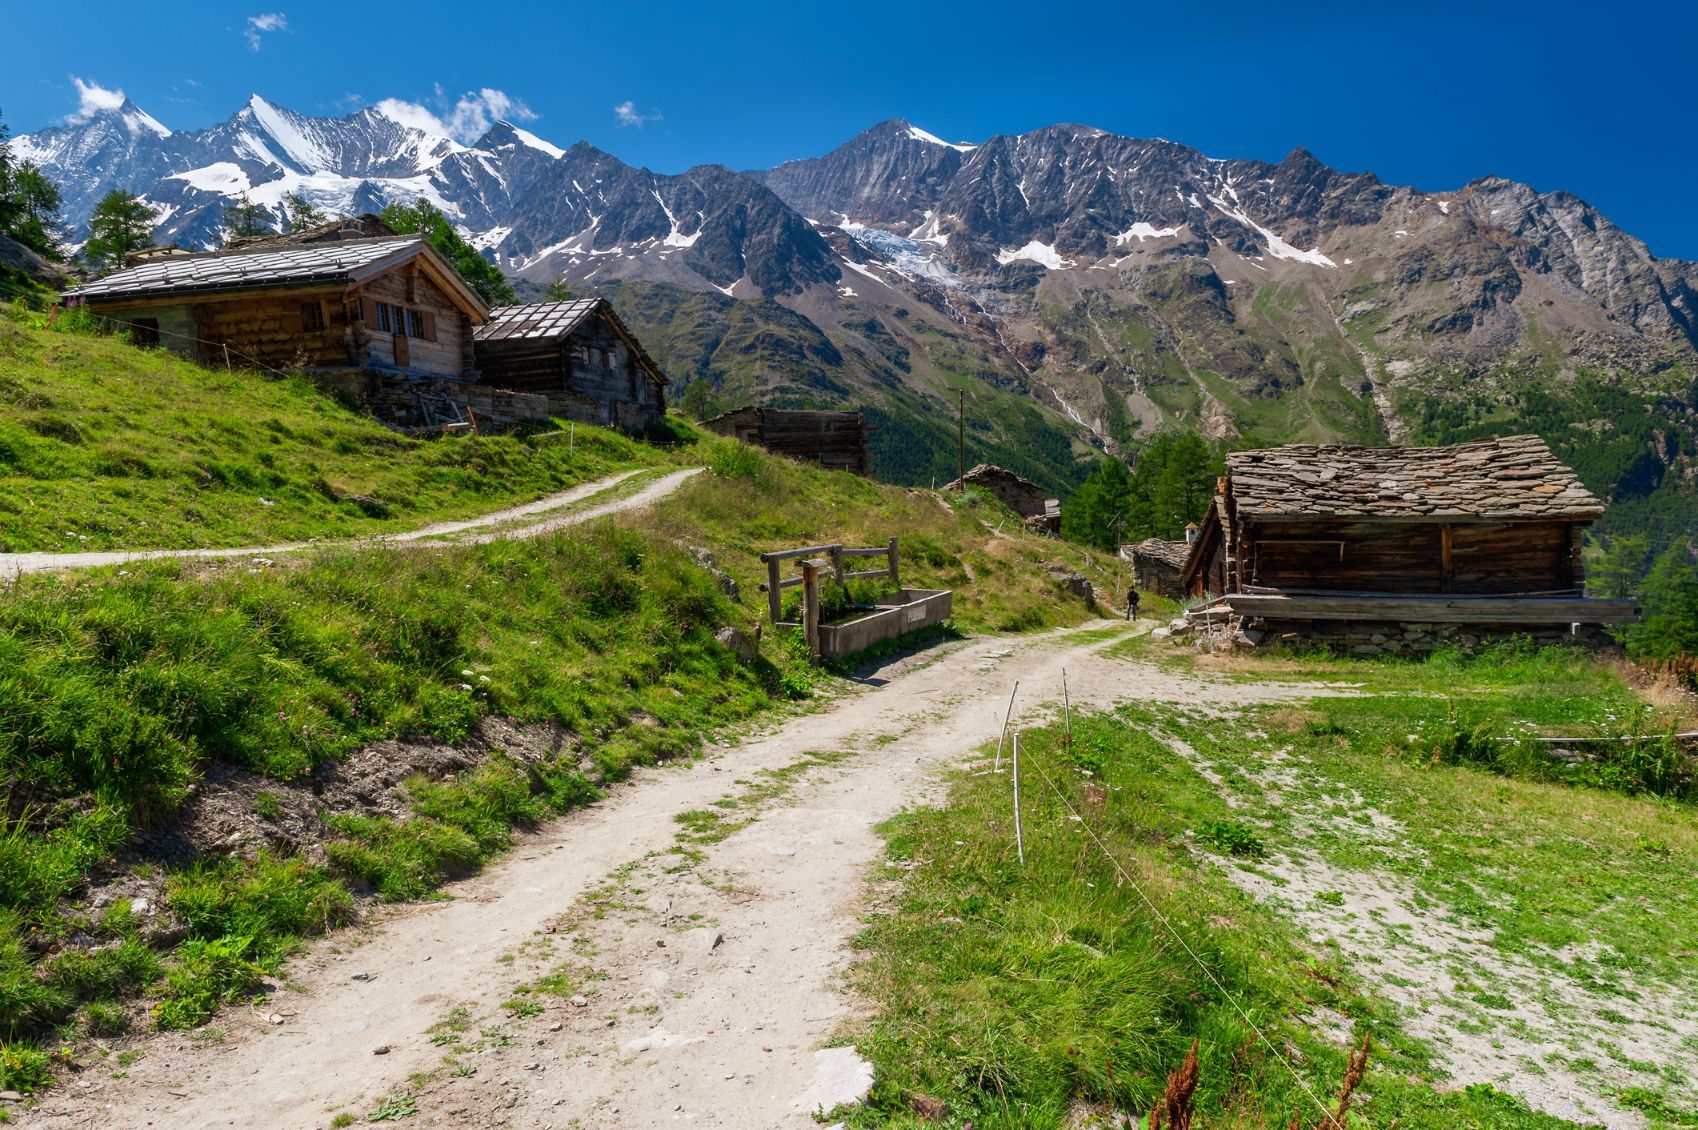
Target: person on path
column 1131, row 603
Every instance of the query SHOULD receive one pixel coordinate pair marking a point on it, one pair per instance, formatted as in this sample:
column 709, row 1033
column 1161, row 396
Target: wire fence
column 1328, row 1119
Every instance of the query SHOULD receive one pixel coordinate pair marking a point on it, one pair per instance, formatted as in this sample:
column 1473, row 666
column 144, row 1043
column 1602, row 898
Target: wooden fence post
column 836, row 552
column 811, row 605
column 895, row 574
column 773, row 591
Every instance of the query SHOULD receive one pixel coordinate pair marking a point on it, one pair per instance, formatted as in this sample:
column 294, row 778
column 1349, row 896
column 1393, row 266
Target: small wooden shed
column 387, row 303
column 1486, row 534
column 1157, row 565
column 836, row 441
column 578, row 353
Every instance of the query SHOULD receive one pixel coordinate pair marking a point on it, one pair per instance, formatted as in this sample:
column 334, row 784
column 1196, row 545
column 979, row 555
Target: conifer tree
column 1670, row 603
column 480, row 274
column 29, row 202
column 122, row 223
column 245, row 218
column 299, row 212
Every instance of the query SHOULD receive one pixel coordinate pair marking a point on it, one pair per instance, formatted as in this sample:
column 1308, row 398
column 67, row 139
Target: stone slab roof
column 1174, row 553
column 243, row 270
column 1511, row 477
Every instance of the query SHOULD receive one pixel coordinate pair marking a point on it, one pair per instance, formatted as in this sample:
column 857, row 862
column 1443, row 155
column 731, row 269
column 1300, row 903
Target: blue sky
column 1596, row 100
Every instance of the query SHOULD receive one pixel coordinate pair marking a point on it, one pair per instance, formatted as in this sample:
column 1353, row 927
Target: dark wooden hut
column 1388, row 542
column 580, row 355
column 387, row 303
column 836, row 441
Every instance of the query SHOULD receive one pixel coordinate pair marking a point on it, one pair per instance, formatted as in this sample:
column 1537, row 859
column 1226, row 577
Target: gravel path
column 673, row 1029
column 498, row 525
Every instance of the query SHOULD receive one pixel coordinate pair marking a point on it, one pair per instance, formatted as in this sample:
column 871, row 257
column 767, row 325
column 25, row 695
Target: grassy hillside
column 374, row 721
column 106, row 446
column 1396, row 861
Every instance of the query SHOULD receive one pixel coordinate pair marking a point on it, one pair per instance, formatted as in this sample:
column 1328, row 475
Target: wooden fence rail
column 816, row 559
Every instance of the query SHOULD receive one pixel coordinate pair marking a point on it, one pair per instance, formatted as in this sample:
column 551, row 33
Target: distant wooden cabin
column 581, row 355
column 1485, row 534
column 1020, row 495
column 347, row 300
column 1158, row 565
column 836, row 441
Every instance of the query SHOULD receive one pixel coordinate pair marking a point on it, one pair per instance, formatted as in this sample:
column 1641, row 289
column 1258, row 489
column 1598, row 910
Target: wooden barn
column 836, row 441
column 1158, row 565
column 387, row 303
column 1393, row 548
column 580, row 355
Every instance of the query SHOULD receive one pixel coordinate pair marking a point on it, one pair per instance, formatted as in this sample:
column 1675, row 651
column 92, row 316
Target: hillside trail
column 708, row 981
column 498, row 525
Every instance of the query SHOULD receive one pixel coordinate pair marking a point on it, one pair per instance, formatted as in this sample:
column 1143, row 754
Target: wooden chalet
column 388, row 303
column 836, row 441
column 1391, row 547
column 580, row 355
column 1158, row 565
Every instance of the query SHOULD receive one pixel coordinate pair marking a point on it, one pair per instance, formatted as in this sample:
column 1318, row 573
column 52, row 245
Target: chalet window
column 312, row 317
column 383, row 323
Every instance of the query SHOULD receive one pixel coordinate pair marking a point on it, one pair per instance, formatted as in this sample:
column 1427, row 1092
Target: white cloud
column 259, row 25
column 466, row 120
column 627, row 114
column 93, row 98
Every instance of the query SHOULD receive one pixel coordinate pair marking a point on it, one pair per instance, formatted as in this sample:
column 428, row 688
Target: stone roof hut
column 1485, row 533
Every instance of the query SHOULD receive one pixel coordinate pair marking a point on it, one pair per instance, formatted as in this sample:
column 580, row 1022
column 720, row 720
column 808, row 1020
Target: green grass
column 119, row 688
column 106, row 446
column 1018, row 995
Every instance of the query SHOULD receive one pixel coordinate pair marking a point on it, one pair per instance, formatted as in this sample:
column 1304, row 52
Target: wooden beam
column 1450, row 609
column 1445, row 568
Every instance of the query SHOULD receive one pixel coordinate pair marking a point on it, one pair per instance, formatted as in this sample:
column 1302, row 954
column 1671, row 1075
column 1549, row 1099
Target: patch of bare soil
column 1565, row 1045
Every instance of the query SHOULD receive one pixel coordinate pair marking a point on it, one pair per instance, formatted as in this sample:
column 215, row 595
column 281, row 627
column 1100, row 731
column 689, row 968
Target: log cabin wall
column 1413, row 557
column 286, row 329
column 836, row 441
column 441, row 344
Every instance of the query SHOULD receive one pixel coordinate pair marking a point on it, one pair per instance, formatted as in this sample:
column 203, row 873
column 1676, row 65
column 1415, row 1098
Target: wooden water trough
column 903, row 610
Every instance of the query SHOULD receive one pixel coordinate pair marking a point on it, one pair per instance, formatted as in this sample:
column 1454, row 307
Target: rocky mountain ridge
column 1096, row 288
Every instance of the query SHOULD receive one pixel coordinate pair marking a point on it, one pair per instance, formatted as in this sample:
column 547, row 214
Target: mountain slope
column 1108, row 286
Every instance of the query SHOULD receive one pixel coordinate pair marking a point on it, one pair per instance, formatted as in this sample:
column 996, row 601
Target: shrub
column 208, row 973
column 1233, row 838
column 23, row 1068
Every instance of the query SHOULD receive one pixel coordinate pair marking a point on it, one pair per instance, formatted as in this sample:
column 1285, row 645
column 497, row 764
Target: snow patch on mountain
column 906, row 256
column 1043, row 254
column 1277, row 247
column 220, row 176
column 919, row 134
column 1142, row 230
column 285, row 129
column 536, row 142
column 675, row 237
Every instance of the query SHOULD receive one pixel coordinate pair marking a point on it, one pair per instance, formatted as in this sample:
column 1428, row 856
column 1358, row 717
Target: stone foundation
column 1367, row 638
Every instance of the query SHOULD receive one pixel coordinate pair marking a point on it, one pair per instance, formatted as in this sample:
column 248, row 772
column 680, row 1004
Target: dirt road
column 550, row 513
column 672, row 1028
